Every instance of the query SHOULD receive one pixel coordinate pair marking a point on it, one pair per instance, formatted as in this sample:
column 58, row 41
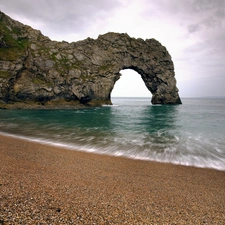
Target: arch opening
column 130, row 84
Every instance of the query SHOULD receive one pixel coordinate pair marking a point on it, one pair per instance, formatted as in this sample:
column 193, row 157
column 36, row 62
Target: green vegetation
column 4, row 74
column 38, row 81
column 64, row 64
column 13, row 53
column 54, row 56
column 105, row 67
column 77, row 65
column 11, row 46
column 41, row 81
column 85, row 78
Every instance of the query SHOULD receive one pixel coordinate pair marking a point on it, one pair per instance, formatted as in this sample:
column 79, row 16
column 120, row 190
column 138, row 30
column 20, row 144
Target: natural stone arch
column 36, row 72
column 149, row 59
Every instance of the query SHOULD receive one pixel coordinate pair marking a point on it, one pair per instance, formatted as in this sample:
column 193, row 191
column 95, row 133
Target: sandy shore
column 46, row 185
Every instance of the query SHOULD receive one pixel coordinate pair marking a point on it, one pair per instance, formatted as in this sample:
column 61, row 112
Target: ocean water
column 191, row 134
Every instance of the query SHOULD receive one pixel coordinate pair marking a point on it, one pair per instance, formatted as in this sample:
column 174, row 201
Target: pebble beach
column 40, row 184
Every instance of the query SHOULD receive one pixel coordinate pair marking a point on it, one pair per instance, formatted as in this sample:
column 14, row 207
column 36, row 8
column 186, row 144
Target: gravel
column 46, row 185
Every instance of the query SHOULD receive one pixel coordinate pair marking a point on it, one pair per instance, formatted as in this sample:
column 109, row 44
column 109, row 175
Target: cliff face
column 36, row 72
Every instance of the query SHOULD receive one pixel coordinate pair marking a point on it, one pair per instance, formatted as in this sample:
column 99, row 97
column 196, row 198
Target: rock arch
column 148, row 58
column 36, row 72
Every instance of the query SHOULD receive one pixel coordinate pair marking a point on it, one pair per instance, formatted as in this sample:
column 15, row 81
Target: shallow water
column 191, row 134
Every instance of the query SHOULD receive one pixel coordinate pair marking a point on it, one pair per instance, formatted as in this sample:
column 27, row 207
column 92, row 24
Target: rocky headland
column 36, row 72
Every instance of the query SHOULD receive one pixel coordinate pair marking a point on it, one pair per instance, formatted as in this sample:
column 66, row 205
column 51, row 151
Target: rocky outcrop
column 36, row 72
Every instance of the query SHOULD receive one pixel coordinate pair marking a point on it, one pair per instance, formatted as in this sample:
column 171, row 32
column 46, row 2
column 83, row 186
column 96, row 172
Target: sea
column 190, row 134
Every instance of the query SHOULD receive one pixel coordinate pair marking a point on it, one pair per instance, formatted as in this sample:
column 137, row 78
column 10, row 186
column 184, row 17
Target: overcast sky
column 193, row 32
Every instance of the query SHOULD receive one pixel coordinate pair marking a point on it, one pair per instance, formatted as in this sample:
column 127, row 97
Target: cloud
column 193, row 31
column 193, row 28
column 55, row 18
column 194, row 14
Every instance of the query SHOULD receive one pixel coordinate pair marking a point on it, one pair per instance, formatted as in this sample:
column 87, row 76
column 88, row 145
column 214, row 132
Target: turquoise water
column 191, row 134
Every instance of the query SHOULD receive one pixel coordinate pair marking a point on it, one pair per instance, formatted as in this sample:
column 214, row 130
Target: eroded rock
column 36, row 72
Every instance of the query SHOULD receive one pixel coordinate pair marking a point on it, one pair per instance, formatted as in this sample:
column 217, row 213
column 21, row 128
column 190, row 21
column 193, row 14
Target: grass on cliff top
column 11, row 47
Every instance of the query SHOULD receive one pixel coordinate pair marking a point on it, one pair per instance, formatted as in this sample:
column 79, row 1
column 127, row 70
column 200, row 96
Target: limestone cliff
column 36, row 72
